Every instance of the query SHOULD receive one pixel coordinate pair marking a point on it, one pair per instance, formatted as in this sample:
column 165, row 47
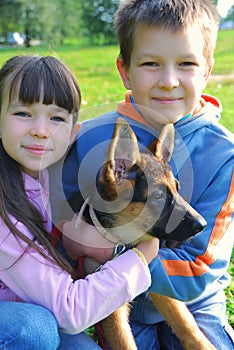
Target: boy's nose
column 168, row 79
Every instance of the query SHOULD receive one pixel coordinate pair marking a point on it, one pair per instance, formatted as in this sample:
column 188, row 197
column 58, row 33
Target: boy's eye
column 188, row 64
column 150, row 64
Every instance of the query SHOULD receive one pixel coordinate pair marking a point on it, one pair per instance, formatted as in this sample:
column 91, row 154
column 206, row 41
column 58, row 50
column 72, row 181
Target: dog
column 137, row 198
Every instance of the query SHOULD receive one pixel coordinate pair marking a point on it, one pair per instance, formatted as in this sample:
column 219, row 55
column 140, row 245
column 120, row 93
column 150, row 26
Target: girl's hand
column 149, row 248
column 85, row 240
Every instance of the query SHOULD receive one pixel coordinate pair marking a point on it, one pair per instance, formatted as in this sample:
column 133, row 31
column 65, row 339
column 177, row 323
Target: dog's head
column 137, row 192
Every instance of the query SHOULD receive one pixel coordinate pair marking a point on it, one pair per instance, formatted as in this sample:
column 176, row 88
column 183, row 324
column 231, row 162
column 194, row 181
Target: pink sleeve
column 76, row 305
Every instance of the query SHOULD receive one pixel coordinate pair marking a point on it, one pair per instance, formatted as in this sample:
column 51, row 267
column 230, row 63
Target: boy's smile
column 167, row 73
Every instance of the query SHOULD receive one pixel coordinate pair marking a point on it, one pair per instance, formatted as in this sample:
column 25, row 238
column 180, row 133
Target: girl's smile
column 37, row 149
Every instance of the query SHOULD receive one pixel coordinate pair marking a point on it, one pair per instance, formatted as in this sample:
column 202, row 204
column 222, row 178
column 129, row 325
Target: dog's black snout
column 190, row 225
column 198, row 225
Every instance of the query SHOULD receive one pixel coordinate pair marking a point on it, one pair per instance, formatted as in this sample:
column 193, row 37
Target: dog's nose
column 198, row 224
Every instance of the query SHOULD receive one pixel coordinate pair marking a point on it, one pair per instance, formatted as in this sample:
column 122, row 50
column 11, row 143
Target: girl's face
column 167, row 73
column 35, row 135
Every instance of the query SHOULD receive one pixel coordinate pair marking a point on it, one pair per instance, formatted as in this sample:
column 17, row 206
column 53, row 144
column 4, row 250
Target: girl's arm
column 76, row 305
column 86, row 240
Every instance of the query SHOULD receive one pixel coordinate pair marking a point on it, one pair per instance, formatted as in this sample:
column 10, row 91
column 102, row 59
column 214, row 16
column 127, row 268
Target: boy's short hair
column 174, row 15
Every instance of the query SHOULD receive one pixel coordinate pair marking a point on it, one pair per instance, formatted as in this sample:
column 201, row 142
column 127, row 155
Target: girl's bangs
column 41, row 84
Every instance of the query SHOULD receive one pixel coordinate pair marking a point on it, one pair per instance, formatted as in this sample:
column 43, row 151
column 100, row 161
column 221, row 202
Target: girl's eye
column 22, row 114
column 58, row 119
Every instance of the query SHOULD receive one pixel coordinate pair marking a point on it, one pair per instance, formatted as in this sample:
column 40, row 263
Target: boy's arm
column 187, row 271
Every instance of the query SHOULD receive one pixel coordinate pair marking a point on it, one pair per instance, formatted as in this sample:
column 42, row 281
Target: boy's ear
column 207, row 73
column 123, row 73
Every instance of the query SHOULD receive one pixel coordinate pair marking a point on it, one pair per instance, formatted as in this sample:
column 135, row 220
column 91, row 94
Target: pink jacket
column 76, row 305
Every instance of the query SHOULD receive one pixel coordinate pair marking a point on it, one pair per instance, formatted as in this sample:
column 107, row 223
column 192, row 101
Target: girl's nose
column 40, row 128
column 168, row 79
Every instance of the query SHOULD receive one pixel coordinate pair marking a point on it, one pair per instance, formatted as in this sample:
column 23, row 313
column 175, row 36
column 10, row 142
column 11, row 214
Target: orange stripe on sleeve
column 200, row 266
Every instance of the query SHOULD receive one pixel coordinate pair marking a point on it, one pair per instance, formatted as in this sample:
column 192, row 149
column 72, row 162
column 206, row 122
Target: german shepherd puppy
column 137, row 198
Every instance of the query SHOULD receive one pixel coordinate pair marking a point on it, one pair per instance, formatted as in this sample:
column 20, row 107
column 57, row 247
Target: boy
column 166, row 57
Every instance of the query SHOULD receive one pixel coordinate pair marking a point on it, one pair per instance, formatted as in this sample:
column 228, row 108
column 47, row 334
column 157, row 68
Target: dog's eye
column 158, row 194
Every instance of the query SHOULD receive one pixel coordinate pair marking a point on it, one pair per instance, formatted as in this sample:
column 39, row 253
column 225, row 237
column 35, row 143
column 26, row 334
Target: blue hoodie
column 202, row 161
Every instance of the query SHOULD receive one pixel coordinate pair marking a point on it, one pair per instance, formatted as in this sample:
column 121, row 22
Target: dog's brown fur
column 144, row 188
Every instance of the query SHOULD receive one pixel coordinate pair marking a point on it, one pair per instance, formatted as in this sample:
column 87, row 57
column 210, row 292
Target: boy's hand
column 149, row 248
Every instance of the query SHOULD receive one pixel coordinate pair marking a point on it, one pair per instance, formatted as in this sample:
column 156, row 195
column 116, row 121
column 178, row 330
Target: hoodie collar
column 206, row 102
column 36, row 185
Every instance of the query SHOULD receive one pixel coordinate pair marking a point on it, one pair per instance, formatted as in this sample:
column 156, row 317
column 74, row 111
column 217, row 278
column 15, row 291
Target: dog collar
column 101, row 229
column 104, row 232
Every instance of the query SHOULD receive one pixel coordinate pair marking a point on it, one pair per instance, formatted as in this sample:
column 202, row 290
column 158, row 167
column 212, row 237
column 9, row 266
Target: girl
column 40, row 101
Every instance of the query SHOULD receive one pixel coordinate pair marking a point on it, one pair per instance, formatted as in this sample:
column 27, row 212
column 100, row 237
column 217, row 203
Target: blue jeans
column 26, row 326
column 30, row 327
column 79, row 341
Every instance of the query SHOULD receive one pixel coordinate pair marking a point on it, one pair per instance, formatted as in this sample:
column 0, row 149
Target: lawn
column 102, row 88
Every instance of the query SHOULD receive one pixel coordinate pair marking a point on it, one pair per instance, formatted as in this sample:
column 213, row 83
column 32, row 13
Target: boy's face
column 167, row 73
column 35, row 135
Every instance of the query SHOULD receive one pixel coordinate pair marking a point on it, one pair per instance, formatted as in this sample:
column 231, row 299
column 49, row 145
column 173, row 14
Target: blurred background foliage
column 52, row 22
column 55, row 20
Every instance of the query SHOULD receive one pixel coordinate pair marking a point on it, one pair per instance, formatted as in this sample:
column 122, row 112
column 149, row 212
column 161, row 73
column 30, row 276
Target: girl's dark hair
column 32, row 79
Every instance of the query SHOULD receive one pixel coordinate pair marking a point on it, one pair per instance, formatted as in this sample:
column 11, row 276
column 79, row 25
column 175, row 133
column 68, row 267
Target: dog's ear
column 122, row 153
column 163, row 146
column 124, row 145
column 165, row 143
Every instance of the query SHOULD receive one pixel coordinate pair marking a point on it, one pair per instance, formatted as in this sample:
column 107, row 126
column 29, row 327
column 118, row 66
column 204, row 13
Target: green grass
column 224, row 91
column 230, row 294
column 102, row 88
column 224, row 57
column 224, row 65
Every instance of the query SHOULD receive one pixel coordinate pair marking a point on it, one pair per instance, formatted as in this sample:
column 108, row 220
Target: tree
column 9, row 13
column 97, row 19
column 50, row 21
